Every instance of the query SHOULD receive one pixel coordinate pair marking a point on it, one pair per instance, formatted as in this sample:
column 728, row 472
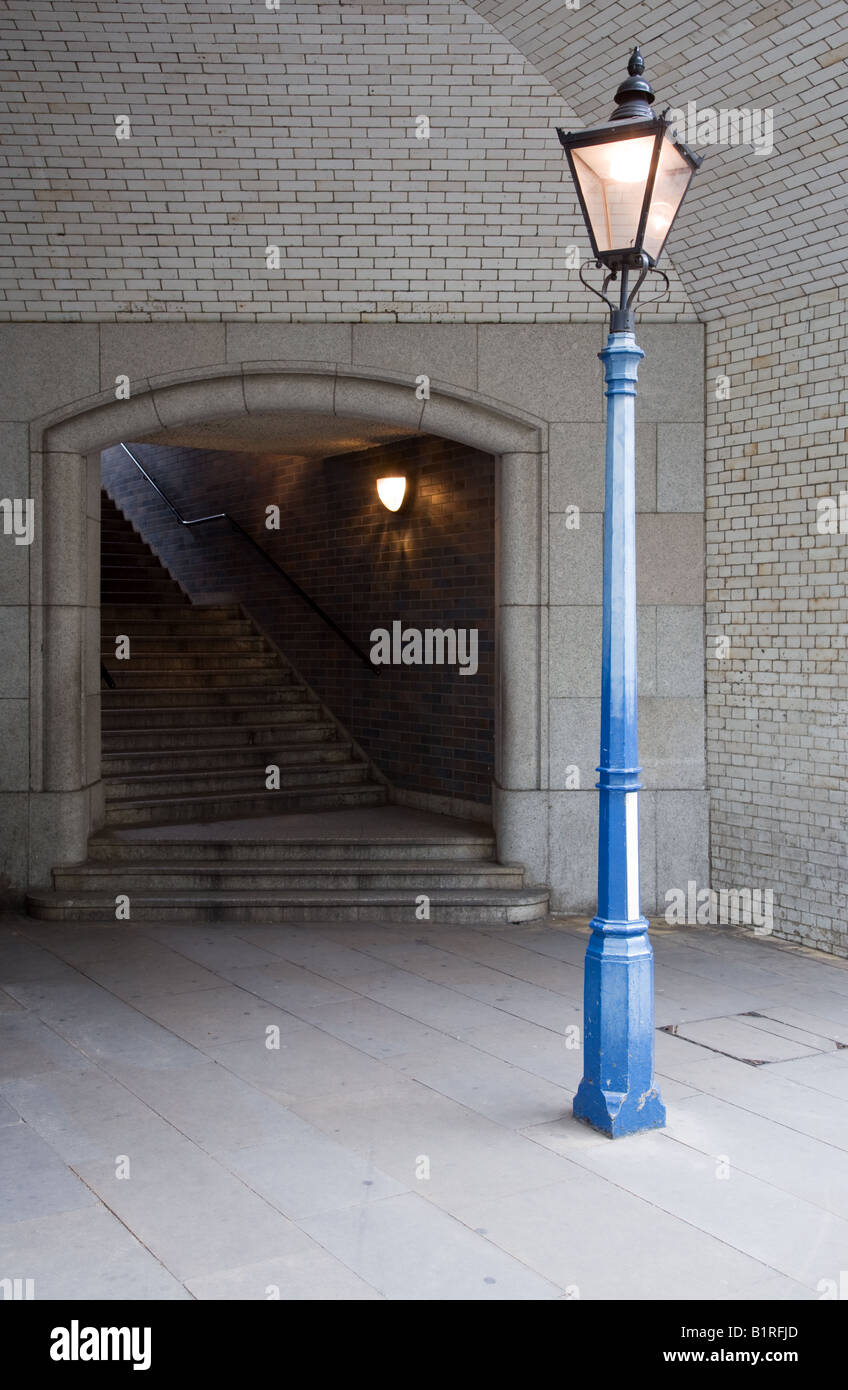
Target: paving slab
column 78, row 944
column 208, row 1105
column 85, row 1115
column 306, row 1173
column 772, row 1023
column 826, row 1072
column 543, row 1004
column 516, row 961
column 443, row 1149
column 720, row 967
column 835, row 1032
column 195, row 1217
column 34, row 1181
column 740, row 1038
column 811, row 1170
column 85, row 1254
column 217, row 949
column 799, row 1240
column 224, row 1014
column 288, row 985
column 22, row 959
column 8, row 1115
column 329, row 959
column 28, row 1047
column 101, row 1026
column 157, row 970
column 682, row 998
column 374, row 1028
column 589, row 1235
column 559, row 941
column 495, row 1088
column 436, row 1006
column 409, row 1250
column 306, row 1276
column 773, row 1096
column 8, row 1005
column 812, row 996
column 536, row 1049
column 308, row 1063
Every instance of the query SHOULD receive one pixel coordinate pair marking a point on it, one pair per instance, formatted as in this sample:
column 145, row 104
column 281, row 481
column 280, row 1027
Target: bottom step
column 446, row 906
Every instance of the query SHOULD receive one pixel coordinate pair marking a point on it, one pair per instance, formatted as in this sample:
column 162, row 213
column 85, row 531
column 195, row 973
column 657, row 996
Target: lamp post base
column 618, row 1095
column 617, row 1113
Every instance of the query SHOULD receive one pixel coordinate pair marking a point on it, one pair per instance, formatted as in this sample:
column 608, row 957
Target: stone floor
column 410, row 1136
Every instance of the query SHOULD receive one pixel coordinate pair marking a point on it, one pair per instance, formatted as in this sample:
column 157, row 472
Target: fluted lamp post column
column 631, row 176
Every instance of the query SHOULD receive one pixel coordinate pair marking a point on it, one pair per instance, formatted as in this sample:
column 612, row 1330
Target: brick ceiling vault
column 754, row 227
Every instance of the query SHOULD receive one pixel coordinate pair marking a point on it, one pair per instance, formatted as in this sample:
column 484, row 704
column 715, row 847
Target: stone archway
column 64, row 653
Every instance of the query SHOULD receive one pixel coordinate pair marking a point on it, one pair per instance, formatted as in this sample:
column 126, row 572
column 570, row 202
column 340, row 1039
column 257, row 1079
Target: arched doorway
column 65, row 663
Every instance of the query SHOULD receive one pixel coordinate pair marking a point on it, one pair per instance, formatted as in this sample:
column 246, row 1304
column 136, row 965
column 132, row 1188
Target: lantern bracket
column 622, row 315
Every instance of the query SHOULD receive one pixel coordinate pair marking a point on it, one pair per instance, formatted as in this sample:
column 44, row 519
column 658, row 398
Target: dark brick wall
column 431, row 565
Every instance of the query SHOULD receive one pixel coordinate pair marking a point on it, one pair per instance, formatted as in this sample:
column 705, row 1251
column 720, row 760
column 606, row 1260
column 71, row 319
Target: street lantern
column 631, row 176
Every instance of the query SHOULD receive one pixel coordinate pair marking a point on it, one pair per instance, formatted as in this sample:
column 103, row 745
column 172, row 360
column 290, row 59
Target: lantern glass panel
column 613, row 177
column 670, row 184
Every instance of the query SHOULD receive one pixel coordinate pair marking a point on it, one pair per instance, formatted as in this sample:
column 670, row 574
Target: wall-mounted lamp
column 391, row 492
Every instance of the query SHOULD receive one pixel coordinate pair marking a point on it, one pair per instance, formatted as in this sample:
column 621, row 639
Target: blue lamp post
column 631, row 176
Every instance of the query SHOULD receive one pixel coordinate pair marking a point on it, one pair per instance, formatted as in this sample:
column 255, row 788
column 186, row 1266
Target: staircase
column 204, row 714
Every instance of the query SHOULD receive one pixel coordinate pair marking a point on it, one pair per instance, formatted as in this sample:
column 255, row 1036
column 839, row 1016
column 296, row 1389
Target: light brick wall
column 776, row 707
column 296, row 128
column 763, row 219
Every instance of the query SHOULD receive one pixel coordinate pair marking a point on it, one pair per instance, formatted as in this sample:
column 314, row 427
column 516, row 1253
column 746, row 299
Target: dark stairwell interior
column 232, row 792
column 429, row 728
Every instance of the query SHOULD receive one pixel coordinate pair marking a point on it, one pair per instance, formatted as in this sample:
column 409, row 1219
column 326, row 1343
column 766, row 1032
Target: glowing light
column 631, row 165
column 661, row 217
column 391, row 492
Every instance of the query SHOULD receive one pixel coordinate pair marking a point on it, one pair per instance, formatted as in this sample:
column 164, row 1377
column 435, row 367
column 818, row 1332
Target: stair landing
column 374, row 864
column 385, row 825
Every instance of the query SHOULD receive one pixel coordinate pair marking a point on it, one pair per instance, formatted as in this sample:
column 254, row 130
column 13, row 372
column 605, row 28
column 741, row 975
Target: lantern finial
column 635, row 95
column 636, row 66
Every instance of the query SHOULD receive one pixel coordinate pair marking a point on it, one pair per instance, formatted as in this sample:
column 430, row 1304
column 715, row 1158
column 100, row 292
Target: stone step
column 160, row 876
column 126, row 543
column 207, row 781
column 201, row 717
column 134, row 572
column 135, row 585
column 145, row 763
column 129, row 567
column 212, row 738
column 194, row 696
column 115, row 558
column 239, row 846
column 201, row 662
column 199, row 679
column 148, row 644
column 158, row 597
column 188, row 614
column 456, row 906
column 182, row 628
column 176, row 810
column 158, row 607
column 138, row 590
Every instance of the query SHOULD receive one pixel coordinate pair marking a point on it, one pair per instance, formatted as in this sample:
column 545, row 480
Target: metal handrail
column 225, row 516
